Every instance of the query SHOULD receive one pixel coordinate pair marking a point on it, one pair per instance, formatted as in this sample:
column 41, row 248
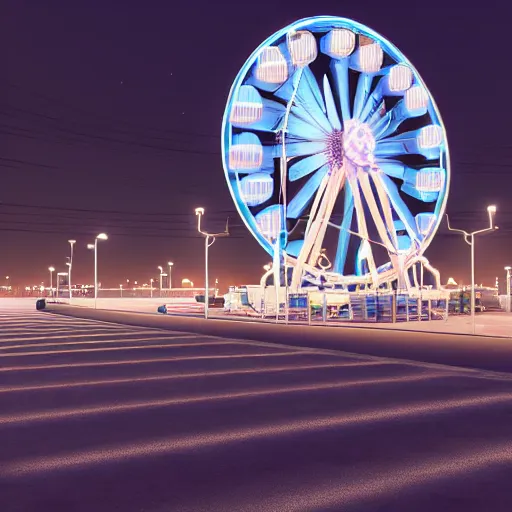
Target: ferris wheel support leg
column 329, row 202
column 344, row 235
column 386, row 208
column 361, row 223
column 374, row 210
column 298, row 270
column 415, row 275
column 316, row 233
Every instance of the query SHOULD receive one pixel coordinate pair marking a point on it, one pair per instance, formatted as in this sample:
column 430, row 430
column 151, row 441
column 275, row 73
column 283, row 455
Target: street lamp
column 151, row 289
column 101, row 236
column 207, row 244
column 508, row 269
column 121, row 290
column 161, row 275
column 52, row 270
column 469, row 238
column 170, row 264
column 71, row 244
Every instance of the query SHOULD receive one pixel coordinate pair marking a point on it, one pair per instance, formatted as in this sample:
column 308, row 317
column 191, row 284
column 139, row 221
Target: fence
column 359, row 308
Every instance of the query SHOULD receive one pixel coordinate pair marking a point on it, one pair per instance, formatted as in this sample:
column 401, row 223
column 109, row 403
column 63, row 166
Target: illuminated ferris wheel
column 335, row 154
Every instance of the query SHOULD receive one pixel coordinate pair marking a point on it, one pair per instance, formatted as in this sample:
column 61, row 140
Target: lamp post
column 101, row 236
column 71, row 244
column 52, row 270
column 161, row 276
column 151, row 287
column 170, row 264
column 209, row 240
column 508, row 269
column 469, row 238
column 121, row 290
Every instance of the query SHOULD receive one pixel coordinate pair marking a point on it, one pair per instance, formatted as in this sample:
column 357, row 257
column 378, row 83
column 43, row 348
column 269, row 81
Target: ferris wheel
column 334, row 150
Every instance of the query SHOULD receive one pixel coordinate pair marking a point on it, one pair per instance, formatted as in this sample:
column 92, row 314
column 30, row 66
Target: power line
column 103, row 116
column 118, row 212
column 25, row 162
column 132, row 143
column 82, row 218
column 94, row 233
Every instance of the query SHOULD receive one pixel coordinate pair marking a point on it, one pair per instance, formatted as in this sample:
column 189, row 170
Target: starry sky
column 110, row 118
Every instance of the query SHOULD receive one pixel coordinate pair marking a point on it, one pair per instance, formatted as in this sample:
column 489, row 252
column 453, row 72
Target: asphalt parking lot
column 101, row 416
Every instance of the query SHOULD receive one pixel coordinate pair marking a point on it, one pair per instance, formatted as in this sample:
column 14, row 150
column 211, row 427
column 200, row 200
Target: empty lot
column 99, row 416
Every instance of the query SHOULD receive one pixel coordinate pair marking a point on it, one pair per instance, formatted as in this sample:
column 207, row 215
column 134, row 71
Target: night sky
column 109, row 107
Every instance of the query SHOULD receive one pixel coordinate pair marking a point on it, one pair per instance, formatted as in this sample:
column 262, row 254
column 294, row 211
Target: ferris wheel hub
column 359, row 143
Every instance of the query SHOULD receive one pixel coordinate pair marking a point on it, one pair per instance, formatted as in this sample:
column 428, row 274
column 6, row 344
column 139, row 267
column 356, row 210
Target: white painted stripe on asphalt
column 194, row 375
column 153, row 360
column 67, row 336
column 129, row 340
column 113, row 349
column 112, row 408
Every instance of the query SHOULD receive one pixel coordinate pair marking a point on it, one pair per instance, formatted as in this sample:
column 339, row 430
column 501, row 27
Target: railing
column 362, row 308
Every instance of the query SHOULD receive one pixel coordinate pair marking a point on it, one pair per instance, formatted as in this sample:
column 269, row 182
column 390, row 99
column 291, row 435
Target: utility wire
column 118, row 212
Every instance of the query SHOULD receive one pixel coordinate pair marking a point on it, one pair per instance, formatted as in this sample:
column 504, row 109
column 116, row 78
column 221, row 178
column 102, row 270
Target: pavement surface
column 98, row 416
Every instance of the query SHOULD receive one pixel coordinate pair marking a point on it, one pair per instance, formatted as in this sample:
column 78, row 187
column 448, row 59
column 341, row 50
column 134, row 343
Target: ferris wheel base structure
column 337, row 160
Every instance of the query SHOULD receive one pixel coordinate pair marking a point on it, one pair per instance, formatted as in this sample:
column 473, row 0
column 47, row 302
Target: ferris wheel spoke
column 386, row 209
column 296, row 147
column 344, row 236
column 363, row 89
column 332, row 113
column 316, row 203
column 299, row 203
column 400, row 207
column 318, row 221
column 299, row 169
column 297, row 127
column 364, row 251
column 392, row 168
column 376, row 114
column 302, row 115
column 308, row 99
column 426, row 141
column 334, row 186
column 380, row 224
column 340, row 72
column 414, row 104
column 424, row 184
column 396, row 81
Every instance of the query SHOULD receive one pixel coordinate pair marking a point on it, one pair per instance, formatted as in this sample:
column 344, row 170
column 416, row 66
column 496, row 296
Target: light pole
column 101, row 236
column 121, row 290
column 52, row 270
column 207, row 244
column 469, row 238
column 71, row 244
column 170, row 263
column 161, row 276
column 508, row 269
column 151, row 287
